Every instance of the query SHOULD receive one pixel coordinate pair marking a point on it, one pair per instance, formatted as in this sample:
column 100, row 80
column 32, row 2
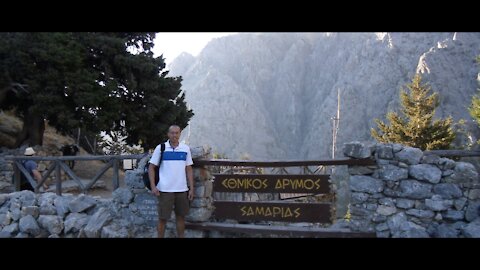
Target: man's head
column 29, row 151
column 174, row 132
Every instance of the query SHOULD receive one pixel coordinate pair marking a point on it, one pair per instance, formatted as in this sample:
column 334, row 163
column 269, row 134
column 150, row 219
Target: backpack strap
column 162, row 149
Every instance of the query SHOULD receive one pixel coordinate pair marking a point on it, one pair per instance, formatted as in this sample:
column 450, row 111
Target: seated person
column 32, row 169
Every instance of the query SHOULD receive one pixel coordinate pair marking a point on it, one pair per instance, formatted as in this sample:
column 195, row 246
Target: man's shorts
column 167, row 201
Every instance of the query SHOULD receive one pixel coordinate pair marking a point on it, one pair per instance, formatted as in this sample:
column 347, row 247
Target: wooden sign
column 273, row 211
column 269, row 183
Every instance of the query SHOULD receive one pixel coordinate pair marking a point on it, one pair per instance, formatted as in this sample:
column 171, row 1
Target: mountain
column 272, row 95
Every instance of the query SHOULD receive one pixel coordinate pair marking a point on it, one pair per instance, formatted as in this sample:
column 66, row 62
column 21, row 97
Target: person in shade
column 32, row 169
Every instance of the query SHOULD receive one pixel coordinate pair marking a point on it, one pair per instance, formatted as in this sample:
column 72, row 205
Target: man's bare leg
column 180, row 226
column 161, row 228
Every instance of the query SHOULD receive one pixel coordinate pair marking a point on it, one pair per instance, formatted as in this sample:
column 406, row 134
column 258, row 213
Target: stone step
column 71, row 185
column 279, row 230
column 67, row 186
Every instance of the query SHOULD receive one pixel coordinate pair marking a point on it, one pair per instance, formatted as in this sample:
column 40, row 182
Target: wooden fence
column 453, row 153
column 58, row 164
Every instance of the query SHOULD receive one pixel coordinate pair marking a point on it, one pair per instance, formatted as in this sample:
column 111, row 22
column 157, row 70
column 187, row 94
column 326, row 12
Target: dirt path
column 88, row 169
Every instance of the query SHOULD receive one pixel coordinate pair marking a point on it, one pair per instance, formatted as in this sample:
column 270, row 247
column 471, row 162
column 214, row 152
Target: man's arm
column 189, row 172
column 151, row 176
column 38, row 177
column 33, row 168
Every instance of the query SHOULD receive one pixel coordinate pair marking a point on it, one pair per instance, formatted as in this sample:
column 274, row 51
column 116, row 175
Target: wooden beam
column 116, row 183
column 99, row 174
column 294, row 163
column 58, row 177
column 271, row 183
column 453, row 153
column 278, row 230
column 39, row 158
column 49, row 171
column 72, row 175
column 214, row 162
column 17, row 176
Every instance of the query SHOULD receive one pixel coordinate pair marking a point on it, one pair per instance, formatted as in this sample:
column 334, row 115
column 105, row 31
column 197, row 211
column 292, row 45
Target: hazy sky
column 171, row 44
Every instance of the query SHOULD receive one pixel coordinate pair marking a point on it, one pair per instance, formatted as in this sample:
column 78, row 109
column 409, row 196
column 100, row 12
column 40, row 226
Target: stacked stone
column 26, row 214
column 410, row 194
column 201, row 208
column 6, row 170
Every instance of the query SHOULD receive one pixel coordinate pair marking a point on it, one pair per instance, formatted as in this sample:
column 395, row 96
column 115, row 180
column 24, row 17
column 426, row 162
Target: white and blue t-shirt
column 173, row 177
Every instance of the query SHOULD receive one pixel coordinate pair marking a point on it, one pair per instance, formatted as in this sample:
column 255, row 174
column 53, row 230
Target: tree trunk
column 32, row 131
column 3, row 95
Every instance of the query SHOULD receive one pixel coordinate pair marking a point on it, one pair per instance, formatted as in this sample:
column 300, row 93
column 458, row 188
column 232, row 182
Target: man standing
column 172, row 190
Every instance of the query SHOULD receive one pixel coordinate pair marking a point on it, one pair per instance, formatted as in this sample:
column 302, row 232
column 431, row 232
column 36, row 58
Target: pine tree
column 89, row 80
column 474, row 108
column 416, row 126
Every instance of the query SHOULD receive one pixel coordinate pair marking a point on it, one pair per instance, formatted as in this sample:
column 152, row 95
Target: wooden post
column 16, row 176
column 89, row 144
column 58, row 177
column 116, row 183
column 99, row 174
column 78, row 136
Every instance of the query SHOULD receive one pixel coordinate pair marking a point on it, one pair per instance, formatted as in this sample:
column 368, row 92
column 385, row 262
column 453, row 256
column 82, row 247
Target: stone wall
column 6, row 170
column 410, row 194
column 406, row 194
column 131, row 212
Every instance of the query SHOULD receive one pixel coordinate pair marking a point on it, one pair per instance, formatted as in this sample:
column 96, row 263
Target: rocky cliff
column 272, row 95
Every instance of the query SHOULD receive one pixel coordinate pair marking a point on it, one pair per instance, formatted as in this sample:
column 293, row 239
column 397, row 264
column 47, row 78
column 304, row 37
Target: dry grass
column 10, row 126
